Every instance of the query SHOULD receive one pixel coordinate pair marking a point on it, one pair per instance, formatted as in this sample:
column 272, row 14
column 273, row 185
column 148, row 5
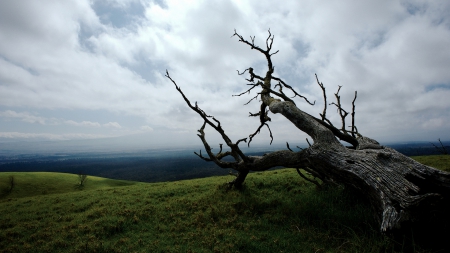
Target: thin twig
column 353, row 116
column 287, row 145
column 307, row 179
column 324, row 98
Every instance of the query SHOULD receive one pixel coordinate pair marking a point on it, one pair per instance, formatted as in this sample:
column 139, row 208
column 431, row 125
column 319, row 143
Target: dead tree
column 399, row 188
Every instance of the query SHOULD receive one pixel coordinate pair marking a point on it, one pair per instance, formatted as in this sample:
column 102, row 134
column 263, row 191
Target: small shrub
column 12, row 183
column 82, row 179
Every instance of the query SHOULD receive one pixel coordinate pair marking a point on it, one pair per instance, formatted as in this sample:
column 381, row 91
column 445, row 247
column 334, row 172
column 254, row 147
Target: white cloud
column 65, row 56
column 119, row 3
column 146, row 128
column 24, row 116
column 48, row 136
column 433, row 123
column 82, row 123
column 113, row 125
column 30, row 118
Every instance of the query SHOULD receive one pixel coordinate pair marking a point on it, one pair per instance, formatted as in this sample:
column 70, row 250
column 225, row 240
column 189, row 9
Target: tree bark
column 395, row 184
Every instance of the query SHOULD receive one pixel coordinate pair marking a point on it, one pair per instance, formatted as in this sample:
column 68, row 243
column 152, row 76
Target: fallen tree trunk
column 399, row 188
column 396, row 184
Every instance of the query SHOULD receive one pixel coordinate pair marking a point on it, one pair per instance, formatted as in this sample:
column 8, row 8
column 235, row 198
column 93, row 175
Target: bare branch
column 324, row 100
column 255, row 97
column 243, row 139
column 281, row 95
column 216, row 159
column 270, row 37
column 287, row 145
column 253, row 76
column 265, row 52
column 247, row 91
column 257, row 132
column 442, row 148
column 319, row 175
column 354, row 130
column 236, row 152
column 342, row 136
column 309, row 180
column 341, row 111
column 251, row 44
column 292, row 89
column 242, row 72
column 202, row 157
column 327, row 123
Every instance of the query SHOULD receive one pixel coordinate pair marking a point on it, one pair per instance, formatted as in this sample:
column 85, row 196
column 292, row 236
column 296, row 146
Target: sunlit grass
column 277, row 211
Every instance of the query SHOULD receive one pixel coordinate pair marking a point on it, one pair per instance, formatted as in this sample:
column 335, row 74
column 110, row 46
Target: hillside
column 29, row 184
column 276, row 212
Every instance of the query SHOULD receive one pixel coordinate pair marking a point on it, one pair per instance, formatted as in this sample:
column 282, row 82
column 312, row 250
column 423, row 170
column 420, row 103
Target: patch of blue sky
column 375, row 40
column 148, row 70
column 302, row 48
column 437, row 18
column 368, row 41
column 443, row 86
column 116, row 16
column 414, row 9
column 83, row 37
column 28, row 69
column 294, row 74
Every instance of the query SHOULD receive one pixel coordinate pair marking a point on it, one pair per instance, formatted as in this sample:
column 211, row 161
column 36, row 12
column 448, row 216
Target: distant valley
column 153, row 165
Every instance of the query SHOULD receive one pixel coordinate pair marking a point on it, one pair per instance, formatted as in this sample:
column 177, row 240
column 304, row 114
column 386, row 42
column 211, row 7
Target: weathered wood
column 395, row 184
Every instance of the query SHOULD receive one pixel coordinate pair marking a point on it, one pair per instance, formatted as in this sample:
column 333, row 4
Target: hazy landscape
column 151, row 165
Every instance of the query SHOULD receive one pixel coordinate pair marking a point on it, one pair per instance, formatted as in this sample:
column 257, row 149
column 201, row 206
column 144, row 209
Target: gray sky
column 72, row 70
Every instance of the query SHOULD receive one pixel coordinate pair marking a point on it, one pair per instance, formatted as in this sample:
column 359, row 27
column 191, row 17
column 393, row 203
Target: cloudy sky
column 89, row 69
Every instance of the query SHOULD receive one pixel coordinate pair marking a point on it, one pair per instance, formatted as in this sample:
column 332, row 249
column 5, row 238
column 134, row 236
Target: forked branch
column 293, row 91
column 265, row 83
column 343, row 133
column 235, row 150
column 324, row 113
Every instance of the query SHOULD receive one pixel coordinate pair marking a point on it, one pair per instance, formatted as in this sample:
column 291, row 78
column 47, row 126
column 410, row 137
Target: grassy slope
column 276, row 212
column 30, row 184
column 441, row 162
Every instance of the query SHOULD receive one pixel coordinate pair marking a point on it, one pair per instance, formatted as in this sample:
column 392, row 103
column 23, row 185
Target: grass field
column 275, row 212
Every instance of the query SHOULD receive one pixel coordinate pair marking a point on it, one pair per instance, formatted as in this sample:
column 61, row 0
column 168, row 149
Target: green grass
column 441, row 162
column 277, row 211
column 42, row 183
